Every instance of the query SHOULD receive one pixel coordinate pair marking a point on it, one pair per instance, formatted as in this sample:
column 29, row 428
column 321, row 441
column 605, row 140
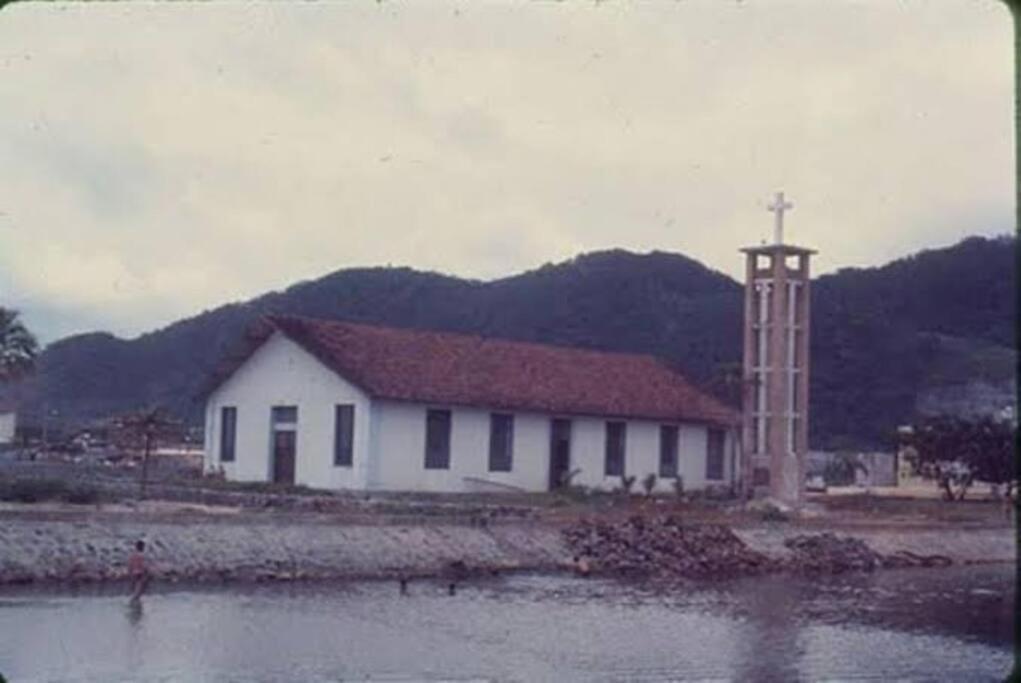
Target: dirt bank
column 39, row 544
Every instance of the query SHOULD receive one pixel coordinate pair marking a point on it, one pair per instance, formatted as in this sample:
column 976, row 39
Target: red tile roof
column 457, row 369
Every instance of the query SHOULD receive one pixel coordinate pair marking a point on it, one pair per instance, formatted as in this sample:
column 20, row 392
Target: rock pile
column 831, row 554
column 904, row 558
column 664, row 548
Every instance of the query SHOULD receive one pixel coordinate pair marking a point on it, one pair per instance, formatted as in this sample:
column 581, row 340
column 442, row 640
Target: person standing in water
column 138, row 571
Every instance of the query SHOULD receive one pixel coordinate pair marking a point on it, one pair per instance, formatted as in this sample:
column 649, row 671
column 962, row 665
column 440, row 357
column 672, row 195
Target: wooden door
column 283, row 457
column 560, row 453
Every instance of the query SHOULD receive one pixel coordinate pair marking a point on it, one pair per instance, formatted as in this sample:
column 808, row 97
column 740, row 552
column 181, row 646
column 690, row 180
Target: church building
column 338, row 405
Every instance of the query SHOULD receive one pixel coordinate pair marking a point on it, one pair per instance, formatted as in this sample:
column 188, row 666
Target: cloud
column 161, row 159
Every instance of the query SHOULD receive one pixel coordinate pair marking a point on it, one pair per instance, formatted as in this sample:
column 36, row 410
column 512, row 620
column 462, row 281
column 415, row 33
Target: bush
column 649, row 483
column 82, row 495
column 774, row 514
column 567, row 477
column 575, row 492
column 679, row 486
column 840, row 471
column 33, row 490
column 627, row 483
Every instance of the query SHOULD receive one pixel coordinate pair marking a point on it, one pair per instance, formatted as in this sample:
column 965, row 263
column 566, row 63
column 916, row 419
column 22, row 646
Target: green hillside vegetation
column 880, row 336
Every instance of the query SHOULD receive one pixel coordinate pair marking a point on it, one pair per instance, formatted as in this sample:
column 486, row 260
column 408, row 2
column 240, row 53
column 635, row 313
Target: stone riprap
column 58, row 550
column 665, row 548
column 224, row 545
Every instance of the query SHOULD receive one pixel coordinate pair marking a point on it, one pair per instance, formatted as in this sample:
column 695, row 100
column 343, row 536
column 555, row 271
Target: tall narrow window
column 616, row 436
column 228, row 432
column 437, row 439
column 501, row 442
column 714, row 455
column 668, row 451
column 343, row 434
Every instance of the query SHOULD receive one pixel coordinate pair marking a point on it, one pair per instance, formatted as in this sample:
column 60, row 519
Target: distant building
column 872, row 468
column 349, row 406
column 8, row 422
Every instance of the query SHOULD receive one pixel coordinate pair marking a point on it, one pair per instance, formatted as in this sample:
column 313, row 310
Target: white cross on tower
column 778, row 207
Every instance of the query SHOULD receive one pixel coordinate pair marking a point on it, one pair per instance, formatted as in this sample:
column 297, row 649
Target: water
column 936, row 624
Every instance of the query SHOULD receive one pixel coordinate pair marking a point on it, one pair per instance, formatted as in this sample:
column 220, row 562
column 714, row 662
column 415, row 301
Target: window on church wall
column 616, row 438
column 343, row 435
column 228, row 432
column 668, row 451
column 501, row 442
column 437, row 439
column 714, row 455
column 799, row 337
column 795, row 394
column 284, row 416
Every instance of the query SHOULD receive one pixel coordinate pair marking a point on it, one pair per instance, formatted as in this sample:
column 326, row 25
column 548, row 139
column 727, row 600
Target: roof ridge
column 482, row 338
column 421, row 365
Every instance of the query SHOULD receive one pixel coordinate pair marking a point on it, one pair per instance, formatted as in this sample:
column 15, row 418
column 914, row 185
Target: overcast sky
column 160, row 159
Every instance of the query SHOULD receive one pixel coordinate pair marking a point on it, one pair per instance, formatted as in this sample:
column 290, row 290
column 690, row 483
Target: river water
column 935, row 624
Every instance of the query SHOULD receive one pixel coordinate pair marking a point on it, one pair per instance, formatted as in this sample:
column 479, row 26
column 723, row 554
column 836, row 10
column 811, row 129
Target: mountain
column 934, row 329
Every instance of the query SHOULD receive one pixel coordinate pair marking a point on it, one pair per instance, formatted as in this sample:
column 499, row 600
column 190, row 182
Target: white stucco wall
column 398, row 451
column 641, row 455
column 389, row 436
column 8, row 422
column 282, row 373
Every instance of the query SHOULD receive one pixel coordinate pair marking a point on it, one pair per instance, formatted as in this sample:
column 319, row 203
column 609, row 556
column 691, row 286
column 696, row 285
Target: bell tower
column 776, row 365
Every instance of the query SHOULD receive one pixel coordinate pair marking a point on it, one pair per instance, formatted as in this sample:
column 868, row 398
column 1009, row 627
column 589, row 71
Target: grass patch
column 33, row 490
column 40, row 490
column 977, row 509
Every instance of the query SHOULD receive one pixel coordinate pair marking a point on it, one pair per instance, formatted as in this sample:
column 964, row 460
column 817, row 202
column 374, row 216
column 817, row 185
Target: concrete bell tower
column 776, row 365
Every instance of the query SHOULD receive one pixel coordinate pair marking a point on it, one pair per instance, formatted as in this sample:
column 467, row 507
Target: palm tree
column 18, row 347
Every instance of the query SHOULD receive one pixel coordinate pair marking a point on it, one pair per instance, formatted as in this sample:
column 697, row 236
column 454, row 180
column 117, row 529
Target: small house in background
column 8, row 422
column 850, row 468
column 350, row 406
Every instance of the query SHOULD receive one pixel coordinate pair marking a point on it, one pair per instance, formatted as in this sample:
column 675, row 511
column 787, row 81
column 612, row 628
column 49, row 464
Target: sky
column 160, row 159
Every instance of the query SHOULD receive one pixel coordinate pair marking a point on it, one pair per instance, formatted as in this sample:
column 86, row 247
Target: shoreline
column 61, row 547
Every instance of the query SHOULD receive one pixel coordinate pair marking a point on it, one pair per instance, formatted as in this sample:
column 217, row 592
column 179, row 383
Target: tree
column 955, row 452
column 18, row 347
column 141, row 431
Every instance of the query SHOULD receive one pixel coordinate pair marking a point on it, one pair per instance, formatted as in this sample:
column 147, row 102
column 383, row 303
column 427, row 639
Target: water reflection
column 134, row 612
column 770, row 647
column 946, row 624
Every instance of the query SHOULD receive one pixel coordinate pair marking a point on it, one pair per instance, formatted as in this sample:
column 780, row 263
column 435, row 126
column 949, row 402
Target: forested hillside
column 882, row 340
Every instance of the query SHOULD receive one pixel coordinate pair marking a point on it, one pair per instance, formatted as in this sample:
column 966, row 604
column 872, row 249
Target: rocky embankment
column 210, row 550
column 665, row 548
column 65, row 546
